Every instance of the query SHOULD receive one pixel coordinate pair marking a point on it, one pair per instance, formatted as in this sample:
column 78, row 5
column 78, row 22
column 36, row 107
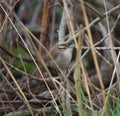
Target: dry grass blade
column 16, row 83
column 93, row 53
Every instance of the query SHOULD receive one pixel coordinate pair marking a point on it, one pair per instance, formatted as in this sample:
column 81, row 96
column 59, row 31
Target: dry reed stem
column 94, row 54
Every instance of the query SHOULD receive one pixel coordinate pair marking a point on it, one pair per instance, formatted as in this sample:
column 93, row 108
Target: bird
column 59, row 57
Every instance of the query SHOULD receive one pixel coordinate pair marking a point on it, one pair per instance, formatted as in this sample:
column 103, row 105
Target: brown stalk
column 44, row 25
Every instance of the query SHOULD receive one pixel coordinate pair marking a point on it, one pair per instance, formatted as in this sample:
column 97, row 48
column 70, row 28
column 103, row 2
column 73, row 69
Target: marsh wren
column 61, row 55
